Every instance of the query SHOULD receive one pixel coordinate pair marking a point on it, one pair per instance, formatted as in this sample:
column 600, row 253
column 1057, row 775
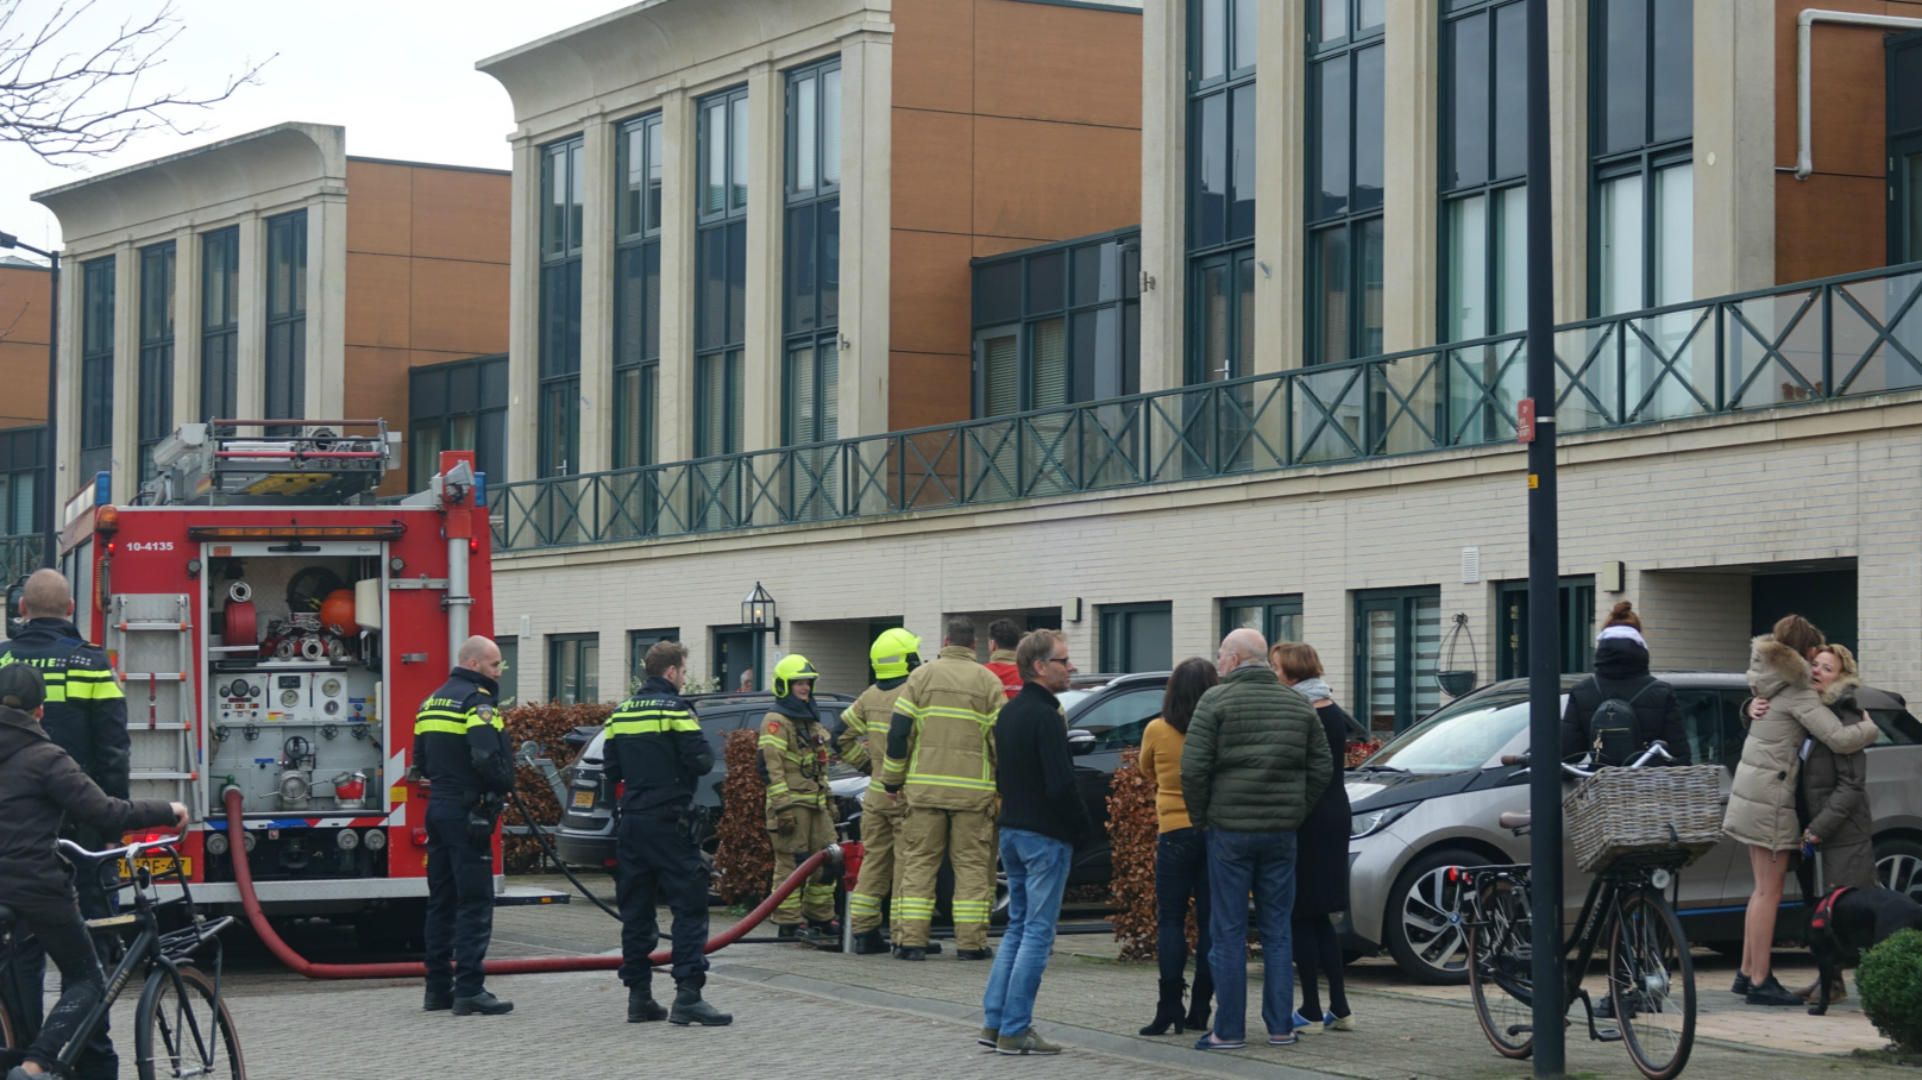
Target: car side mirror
column 1080, row 742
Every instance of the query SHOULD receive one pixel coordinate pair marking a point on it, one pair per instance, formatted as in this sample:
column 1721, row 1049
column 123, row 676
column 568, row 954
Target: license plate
column 583, row 800
column 159, row 866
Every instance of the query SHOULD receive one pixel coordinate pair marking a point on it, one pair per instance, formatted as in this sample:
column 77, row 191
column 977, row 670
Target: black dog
column 1847, row 924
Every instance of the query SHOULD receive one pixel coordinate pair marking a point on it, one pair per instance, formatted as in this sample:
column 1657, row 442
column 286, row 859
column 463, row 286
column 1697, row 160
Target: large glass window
column 1905, row 147
column 811, row 278
column 156, row 392
column 96, row 365
column 573, row 668
column 1277, row 618
column 1221, row 188
column 1484, row 153
column 1058, row 324
column 1642, row 118
column 1397, row 642
column 20, row 465
column 457, row 406
column 720, row 273
column 638, row 642
column 1137, row 637
column 287, row 316
column 1345, row 175
column 220, row 324
column 1511, row 629
column 562, row 189
column 637, row 291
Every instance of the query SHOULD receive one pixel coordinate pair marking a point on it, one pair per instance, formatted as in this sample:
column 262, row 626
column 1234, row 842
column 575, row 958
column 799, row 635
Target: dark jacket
column 1321, row 859
column 460, row 743
column 1256, row 757
column 40, row 786
column 86, row 711
column 655, row 744
column 1621, row 671
column 1035, row 772
column 1837, row 799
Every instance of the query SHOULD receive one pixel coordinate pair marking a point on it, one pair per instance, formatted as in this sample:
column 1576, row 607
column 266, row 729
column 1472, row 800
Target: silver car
column 1431, row 798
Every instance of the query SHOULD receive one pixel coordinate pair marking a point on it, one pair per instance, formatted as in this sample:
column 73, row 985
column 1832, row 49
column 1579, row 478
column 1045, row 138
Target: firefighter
column 863, row 743
column 461, row 748
column 86, row 715
column 794, row 753
column 655, row 746
column 940, row 761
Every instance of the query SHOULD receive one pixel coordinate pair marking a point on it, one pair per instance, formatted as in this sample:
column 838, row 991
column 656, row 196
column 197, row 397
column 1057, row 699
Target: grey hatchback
column 1431, row 797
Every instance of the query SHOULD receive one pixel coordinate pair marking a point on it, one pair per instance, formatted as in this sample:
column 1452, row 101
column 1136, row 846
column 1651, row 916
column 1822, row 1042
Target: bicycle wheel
column 1499, row 959
column 1652, row 984
column 181, row 1030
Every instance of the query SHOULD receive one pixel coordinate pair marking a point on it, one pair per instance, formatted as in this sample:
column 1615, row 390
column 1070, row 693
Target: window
column 509, row 682
column 156, row 391
column 1397, row 641
column 219, row 325
column 96, row 365
column 20, row 465
column 1905, row 147
column 1484, row 152
column 1137, row 637
column 638, row 642
column 720, row 273
column 1117, row 721
column 1277, row 618
column 1057, row 324
column 1642, row 117
column 637, row 291
column 1221, row 188
column 1345, row 170
column 811, row 278
column 1511, row 630
column 457, row 406
column 559, row 420
column 573, row 668
column 287, row 317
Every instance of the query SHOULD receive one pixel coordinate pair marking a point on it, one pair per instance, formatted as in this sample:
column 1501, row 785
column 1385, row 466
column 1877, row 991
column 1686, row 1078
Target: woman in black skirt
column 1321, row 861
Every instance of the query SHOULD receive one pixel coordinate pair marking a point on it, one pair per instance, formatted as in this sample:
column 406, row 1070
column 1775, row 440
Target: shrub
column 1359, row 752
column 548, row 725
column 1890, row 982
column 745, row 859
column 1132, row 828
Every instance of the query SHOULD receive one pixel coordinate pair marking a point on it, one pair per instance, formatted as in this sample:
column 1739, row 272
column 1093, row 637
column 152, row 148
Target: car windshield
column 1454, row 740
column 1068, row 698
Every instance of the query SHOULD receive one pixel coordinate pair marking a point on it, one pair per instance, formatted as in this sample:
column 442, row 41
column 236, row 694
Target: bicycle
column 1651, row 978
column 182, row 1027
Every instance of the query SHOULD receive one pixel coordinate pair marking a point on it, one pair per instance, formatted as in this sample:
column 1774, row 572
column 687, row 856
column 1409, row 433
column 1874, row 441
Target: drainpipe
column 1804, row 33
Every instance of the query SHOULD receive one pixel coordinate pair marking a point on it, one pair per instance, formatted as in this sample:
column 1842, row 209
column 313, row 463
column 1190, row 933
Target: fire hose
column 538, row 965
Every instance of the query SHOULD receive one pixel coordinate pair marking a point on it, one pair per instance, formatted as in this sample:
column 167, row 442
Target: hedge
column 548, row 725
column 1890, row 982
column 745, row 860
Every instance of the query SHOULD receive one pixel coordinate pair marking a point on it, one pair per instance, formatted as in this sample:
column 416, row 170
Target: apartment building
column 26, row 299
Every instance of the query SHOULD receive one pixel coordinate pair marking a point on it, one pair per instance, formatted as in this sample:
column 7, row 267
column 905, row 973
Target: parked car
column 1431, row 797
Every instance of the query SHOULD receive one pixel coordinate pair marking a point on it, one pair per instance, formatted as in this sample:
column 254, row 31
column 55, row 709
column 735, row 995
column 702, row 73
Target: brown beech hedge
column 549, row 726
column 745, row 860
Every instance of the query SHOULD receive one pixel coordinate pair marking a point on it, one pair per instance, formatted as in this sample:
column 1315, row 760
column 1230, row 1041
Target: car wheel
column 1898, row 865
column 1423, row 929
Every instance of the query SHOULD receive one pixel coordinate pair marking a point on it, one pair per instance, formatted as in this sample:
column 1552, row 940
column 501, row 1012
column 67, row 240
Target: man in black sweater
column 1041, row 821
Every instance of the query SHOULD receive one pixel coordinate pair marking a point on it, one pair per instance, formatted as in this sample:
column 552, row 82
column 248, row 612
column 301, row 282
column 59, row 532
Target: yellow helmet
column 889, row 653
column 792, row 668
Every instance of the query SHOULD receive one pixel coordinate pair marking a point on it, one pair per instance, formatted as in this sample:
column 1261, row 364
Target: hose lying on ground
column 540, row 834
column 535, row 965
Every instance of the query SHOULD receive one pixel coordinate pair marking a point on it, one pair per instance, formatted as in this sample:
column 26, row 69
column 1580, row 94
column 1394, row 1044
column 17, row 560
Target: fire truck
column 275, row 626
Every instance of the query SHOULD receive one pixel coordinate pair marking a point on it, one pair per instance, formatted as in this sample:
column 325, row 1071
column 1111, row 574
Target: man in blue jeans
column 1256, row 760
column 1041, row 820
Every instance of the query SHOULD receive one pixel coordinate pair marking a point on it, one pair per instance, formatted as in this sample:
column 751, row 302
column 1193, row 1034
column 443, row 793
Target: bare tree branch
column 68, row 99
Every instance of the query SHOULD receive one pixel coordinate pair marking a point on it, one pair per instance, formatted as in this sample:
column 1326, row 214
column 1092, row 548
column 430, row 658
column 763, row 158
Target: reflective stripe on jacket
column 460, row 742
column 941, row 738
column 655, row 746
column 863, row 742
column 796, row 756
column 86, row 711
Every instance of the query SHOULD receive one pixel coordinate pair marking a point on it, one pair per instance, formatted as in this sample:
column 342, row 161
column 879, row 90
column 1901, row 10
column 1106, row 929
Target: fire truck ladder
column 152, row 635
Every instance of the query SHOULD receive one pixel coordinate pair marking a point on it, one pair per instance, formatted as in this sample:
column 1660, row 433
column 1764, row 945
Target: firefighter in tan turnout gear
column 794, row 751
column 940, row 758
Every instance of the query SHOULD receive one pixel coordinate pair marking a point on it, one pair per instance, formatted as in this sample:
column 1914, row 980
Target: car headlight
column 1370, row 822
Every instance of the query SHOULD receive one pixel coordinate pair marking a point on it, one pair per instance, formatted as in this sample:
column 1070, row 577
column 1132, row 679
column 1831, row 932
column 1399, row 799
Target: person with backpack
column 1614, row 713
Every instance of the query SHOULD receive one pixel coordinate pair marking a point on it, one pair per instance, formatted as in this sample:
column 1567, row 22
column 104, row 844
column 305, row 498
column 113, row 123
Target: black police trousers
column 60, row 932
column 655, row 860
column 460, row 900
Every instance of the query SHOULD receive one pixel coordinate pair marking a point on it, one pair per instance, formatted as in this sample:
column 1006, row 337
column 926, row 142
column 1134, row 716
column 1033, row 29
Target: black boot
column 1168, row 1009
column 690, row 1009
column 824, row 934
column 1198, row 1007
column 641, row 1006
column 869, row 943
column 1770, row 992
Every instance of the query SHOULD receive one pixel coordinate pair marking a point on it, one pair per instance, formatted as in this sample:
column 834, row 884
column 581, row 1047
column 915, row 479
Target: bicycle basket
column 1619, row 812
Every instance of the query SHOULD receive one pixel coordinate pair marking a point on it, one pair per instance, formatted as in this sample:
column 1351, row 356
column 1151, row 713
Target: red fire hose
column 244, row 878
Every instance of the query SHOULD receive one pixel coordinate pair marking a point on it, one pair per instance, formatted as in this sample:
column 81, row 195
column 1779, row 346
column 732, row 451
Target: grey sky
column 398, row 74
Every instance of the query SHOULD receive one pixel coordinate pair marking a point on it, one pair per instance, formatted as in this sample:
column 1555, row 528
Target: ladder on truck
column 152, row 635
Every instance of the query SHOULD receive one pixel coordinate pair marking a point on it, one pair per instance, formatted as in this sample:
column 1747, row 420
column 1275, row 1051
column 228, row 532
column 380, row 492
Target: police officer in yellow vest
column 794, row 752
column 940, row 759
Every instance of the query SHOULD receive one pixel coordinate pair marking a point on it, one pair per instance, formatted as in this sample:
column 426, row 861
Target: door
column 737, row 660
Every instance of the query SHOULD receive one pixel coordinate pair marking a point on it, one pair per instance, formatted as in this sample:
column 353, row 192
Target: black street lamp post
column 49, row 448
column 758, row 613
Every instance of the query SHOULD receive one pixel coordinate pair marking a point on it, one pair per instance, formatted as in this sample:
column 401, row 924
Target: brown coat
column 1761, row 804
column 1838, row 798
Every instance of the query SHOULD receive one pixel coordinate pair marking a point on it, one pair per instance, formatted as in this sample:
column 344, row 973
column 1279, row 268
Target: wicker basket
column 1617, row 812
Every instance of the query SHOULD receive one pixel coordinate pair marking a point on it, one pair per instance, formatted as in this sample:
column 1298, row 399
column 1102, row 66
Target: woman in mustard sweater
column 1181, row 852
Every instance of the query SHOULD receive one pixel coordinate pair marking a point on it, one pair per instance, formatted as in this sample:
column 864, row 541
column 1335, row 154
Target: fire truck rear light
column 376, row 839
column 473, row 545
column 392, row 531
column 216, row 843
column 420, row 836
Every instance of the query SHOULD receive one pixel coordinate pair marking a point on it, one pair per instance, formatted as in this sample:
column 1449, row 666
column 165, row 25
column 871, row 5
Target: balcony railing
column 19, row 554
column 1849, row 336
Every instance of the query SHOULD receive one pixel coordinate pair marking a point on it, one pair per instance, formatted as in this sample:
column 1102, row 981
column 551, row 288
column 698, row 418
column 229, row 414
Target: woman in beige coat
column 1761, row 805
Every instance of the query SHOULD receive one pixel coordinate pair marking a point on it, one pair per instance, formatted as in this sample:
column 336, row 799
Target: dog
column 1850, row 921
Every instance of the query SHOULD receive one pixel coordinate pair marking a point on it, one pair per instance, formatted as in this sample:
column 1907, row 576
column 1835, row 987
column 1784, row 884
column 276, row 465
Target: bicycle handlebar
column 1657, row 748
column 125, row 851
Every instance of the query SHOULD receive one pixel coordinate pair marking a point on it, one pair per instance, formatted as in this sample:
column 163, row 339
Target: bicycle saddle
column 1515, row 819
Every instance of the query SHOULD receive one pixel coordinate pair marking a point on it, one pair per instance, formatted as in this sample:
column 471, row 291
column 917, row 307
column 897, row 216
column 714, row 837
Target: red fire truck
column 275, row 626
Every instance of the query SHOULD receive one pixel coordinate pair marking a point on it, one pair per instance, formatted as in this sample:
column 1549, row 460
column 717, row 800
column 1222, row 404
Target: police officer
column 86, row 715
column 461, row 747
column 794, row 753
column 863, row 743
column 940, row 759
column 656, row 747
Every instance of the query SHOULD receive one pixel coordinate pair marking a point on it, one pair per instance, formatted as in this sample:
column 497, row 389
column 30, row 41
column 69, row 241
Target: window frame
column 1406, row 606
column 98, row 287
column 637, row 266
column 558, row 338
column 638, row 642
column 811, row 337
column 284, row 347
column 1354, row 225
column 156, row 371
column 1117, row 633
column 1577, row 597
column 21, row 459
column 723, row 346
column 1119, row 252
column 573, row 650
column 1234, row 245
column 220, row 324
column 1494, row 188
column 1273, row 607
column 1903, row 64
column 489, row 414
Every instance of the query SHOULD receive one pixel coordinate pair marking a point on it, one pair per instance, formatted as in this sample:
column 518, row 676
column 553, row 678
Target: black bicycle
column 181, row 1026
column 1650, row 1004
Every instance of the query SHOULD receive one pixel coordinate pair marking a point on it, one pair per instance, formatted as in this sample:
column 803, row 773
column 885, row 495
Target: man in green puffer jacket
column 1255, row 761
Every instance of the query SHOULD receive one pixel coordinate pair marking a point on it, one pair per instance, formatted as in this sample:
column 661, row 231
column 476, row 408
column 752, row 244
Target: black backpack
column 1612, row 732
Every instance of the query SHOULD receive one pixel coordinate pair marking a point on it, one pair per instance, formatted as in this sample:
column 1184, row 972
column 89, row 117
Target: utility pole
column 49, row 553
column 1544, row 589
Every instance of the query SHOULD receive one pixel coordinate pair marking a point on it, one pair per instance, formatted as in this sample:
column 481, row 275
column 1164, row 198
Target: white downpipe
column 1804, row 64
column 458, row 598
